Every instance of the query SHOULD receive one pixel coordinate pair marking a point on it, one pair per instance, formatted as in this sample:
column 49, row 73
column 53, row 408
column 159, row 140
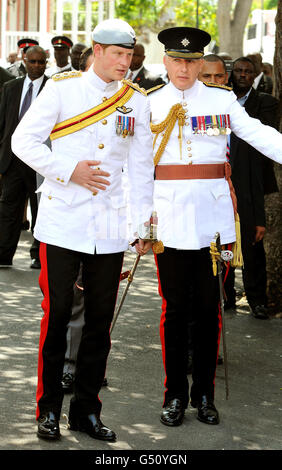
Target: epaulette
column 64, row 75
column 215, row 85
column 157, row 87
column 135, row 86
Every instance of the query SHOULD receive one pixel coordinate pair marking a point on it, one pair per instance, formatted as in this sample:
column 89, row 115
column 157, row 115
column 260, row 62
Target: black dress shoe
column 91, row 424
column 35, row 264
column 260, row 312
column 173, row 413
column 48, row 426
column 67, row 382
column 207, row 412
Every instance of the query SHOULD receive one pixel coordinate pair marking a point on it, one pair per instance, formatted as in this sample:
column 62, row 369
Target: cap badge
column 185, row 42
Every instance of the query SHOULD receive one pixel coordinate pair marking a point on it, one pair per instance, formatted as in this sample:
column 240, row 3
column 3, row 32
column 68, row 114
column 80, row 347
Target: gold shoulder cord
column 176, row 113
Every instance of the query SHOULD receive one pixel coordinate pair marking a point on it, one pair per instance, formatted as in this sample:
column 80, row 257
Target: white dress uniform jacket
column 190, row 212
column 69, row 215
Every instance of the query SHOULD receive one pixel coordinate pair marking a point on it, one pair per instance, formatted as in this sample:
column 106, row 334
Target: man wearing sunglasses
column 18, row 180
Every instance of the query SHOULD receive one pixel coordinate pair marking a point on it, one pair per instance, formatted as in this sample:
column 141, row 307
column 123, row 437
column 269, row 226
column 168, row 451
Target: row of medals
column 211, row 131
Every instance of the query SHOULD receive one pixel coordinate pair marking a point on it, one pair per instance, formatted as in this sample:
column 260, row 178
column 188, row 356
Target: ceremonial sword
column 220, row 256
column 157, row 248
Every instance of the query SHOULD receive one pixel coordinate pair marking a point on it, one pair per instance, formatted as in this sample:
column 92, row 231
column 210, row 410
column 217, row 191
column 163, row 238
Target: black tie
column 27, row 101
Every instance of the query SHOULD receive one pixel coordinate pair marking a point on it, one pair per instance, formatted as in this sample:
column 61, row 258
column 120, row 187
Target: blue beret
column 114, row 32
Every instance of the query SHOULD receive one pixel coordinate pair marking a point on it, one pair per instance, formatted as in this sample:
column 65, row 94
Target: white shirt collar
column 134, row 73
column 100, row 84
column 185, row 94
column 36, row 85
column 256, row 80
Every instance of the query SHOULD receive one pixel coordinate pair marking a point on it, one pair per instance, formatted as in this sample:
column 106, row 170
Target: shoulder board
column 63, row 75
column 155, row 88
column 214, row 85
column 135, row 86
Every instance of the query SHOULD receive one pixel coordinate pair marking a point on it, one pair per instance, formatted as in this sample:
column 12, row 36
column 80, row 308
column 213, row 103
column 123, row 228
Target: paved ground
column 250, row 419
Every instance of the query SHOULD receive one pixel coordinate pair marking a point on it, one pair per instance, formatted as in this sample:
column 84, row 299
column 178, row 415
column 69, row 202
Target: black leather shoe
column 35, row 264
column 207, row 412
column 67, row 382
column 260, row 312
column 91, row 424
column 48, row 426
column 173, row 413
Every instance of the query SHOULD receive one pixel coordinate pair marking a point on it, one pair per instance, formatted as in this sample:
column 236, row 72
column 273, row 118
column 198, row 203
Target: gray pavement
column 250, row 419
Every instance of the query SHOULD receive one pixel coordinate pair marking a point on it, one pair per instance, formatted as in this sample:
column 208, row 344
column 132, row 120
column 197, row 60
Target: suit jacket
column 5, row 76
column 252, row 173
column 146, row 79
column 9, row 118
column 265, row 84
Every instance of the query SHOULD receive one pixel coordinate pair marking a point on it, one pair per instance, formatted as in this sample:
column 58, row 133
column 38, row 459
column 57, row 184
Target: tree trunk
column 273, row 238
column 231, row 28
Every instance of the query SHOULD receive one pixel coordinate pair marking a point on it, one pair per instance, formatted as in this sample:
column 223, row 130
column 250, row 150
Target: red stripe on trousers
column 44, row 286
column 163, row 318
column 229, row 246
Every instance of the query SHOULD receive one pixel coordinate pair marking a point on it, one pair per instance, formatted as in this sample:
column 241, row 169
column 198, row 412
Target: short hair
column 36, row 49
column 104, row 46
column 87, row 52
column 245, row 59
column 215, row 58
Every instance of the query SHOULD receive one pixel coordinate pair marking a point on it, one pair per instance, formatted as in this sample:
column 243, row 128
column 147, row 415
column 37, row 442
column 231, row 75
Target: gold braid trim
column 176, row 112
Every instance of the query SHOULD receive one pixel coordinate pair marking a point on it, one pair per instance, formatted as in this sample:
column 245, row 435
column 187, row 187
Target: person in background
column 253, row 177
column 18, row 179
column 75, row 55
column 18, row 68
column 62, row 46
column 262, row 82
column 86, row 59
column 139, row 74
column 213, row 70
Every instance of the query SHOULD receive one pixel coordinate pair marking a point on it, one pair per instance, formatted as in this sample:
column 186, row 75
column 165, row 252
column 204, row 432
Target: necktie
column 130, row 75
column 27, row 101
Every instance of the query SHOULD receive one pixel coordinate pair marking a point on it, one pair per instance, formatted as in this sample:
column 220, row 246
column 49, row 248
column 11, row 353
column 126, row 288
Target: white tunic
column 69, row 215
column 190, row 212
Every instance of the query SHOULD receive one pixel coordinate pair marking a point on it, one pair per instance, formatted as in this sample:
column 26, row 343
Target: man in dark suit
column 262, row 82
column 139, row 74
column 18, row 180
column 252, row 177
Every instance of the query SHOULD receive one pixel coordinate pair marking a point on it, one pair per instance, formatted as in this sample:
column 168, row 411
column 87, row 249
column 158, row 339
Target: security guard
column 97, row 123
column 190, row 122
column 62, row 46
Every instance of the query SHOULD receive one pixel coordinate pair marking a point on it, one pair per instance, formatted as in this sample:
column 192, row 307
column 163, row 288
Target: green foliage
column 141, row 14
column 186, row 15
column 267, row 4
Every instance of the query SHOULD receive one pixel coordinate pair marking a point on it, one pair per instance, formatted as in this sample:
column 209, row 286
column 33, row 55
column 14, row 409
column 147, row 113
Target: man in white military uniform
column 96, row 124
column 191, row 121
